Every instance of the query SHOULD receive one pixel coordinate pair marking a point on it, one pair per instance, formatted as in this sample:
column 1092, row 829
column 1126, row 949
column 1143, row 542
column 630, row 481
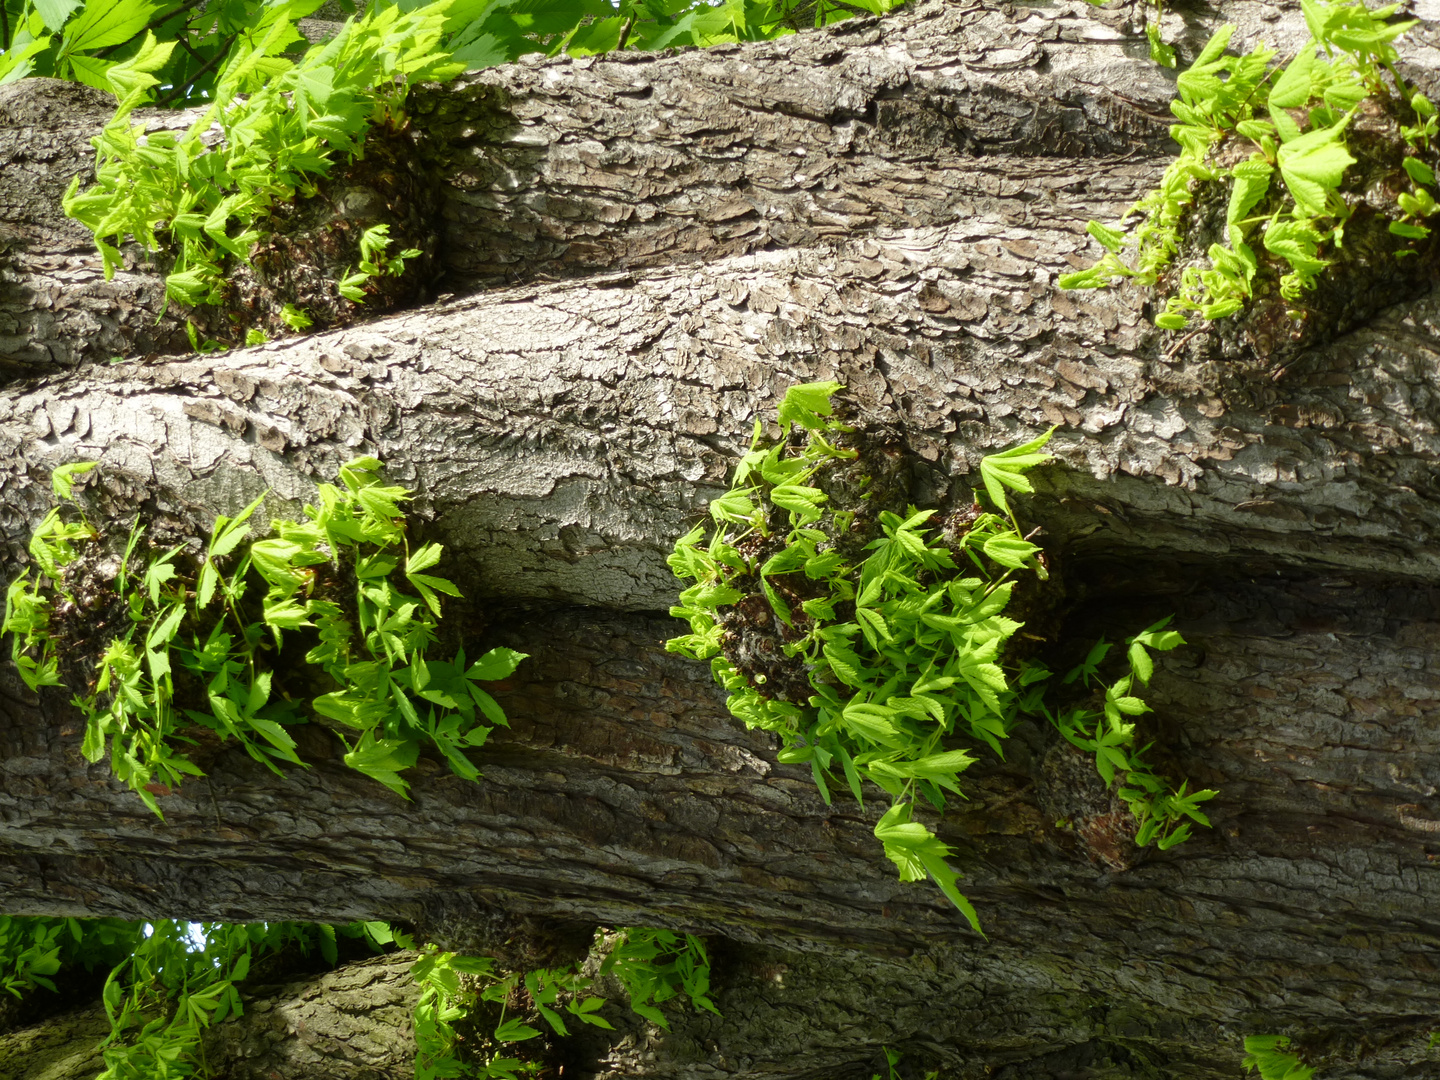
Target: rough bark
column 890, row 204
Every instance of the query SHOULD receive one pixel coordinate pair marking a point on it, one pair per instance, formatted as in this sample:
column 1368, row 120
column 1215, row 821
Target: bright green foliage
column 282, row 123
column 169, row 981
column 176, row 983
column 85, row 39
column 914, row 665
column 1160, row 812
column 657, row 965
column 161, row 1000
column 652, row 965
column 295, row 318
column 488, row 32
column 374, row 262
column 29, row 953
column 903, row 650
column 1161, row 53
column 1268, row 1053
column 221, row 619
column 27, row 611
column 34, row 949
column 452, row 986
column 1293, row 120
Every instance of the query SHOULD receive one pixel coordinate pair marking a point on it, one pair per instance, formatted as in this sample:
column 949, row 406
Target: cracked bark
column 642, row 253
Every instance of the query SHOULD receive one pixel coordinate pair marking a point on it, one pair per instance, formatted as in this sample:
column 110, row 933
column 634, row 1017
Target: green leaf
column 423, row 558
column 1110, row 239
column 498, row 663
column 1007, row 469
column 1215, row 47
column 56, row 12
column 1292, row 89
column 383, row 760
column 295, row 318
column 733, row 507
column 874, row 625
column 1418, row 171
column 228, row 533
column 63, row 476
column 1007, row 549
column 108, row 22
column 1252, row 181
column 1297, row 242
column 807, row 404
column 1316, row 18
column 1312, row 165
column 513, row 1030
column 135, row 75
column 804, row 502
column 1408, row 230
column 189, row 287
column 872, row 722
column 286, row 615
column 846, row 665
column 1160, row 53
column 916, row 851
column 1085, row 279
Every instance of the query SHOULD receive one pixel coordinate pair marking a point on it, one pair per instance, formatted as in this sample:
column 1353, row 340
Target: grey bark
column 561, row 433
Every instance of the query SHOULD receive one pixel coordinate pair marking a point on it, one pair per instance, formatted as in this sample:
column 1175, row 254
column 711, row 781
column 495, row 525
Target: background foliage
column 84, row 39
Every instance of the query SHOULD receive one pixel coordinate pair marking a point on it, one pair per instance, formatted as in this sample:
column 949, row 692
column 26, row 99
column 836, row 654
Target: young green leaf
column 1007, row 469
column 62, row 479
column 1311, row 166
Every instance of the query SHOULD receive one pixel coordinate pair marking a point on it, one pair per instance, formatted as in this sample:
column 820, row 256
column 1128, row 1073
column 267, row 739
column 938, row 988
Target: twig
column 1170, row 352
column 182, row 90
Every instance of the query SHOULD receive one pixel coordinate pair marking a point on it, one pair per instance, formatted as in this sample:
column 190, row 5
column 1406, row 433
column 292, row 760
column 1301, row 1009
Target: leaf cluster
column 374, row 242
column 903, row 650
column 1163, row 814
column 1285, row 130
column 218, row 625
column 652, row 965
column 164, row 996
column 272, row 126
column 655, row 966
column 32, row 949
column 29, row 953
column 84, row 40
column 280, row 113
column 169, row 981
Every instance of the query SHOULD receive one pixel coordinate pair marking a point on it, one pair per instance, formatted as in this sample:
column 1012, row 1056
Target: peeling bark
column 642, row 253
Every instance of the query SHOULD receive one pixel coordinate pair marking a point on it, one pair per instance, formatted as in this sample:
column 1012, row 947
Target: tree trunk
column 640, row 254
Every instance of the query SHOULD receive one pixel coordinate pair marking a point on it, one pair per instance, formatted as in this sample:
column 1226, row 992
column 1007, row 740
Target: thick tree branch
column 561, row 433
